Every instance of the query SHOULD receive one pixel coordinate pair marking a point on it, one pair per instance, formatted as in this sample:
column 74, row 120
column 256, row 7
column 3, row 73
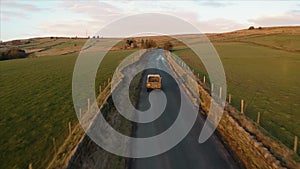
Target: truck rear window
column 153, row 79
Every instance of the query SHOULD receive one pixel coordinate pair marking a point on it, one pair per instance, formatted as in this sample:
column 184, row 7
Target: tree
column 12, row 53
column 150, row 44
column 146, row 44
column 134, row 44
column 168, row 46
column 142, row 43
column 128, row 42
column 251, row 27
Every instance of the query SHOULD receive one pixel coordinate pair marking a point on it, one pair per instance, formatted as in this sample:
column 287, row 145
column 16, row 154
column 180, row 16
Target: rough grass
column 288, row 42
column 41, row 47
column 36, row 105
column 268, row 80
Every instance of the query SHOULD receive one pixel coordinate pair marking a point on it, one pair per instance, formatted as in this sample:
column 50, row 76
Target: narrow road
column 188, row 154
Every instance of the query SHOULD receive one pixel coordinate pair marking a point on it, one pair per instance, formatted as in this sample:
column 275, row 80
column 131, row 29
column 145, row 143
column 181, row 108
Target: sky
column 22, row 19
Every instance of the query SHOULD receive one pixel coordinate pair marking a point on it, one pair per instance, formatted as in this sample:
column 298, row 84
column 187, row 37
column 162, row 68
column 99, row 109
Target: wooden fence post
column 100, row 89
column 88, row 109
column 258, row 118
column 204, row 79
column 70, row 128
column 242, row 106
column 80, row 115
column 212, row 87
column 54, row 144
column 220, row 94
column 30, row 166
column 229, row 98
column 296, row 144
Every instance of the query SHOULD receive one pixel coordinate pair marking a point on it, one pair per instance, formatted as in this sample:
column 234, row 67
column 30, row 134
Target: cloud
column 277, row 20
column 16, row 9
column 93, row 16
column 70, row 28
column 105, row 12
column 215, row 3
column 210, row 25
column 95, row 22
column 93, row 9
column 7, row 15
column 71, row 18
column 295, row 11
column 219, row 25
column 19, row 5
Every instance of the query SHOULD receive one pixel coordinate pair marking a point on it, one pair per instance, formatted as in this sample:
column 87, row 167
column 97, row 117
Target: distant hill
column 283, row 38
column 257, row 31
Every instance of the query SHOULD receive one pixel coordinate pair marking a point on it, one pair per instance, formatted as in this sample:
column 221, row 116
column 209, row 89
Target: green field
column 265, row 77
column 36, row 105
column 36, row 93
column 289, row 42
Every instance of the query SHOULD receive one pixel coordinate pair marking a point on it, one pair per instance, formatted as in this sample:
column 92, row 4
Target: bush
column 251, row 27
column 168, row 46
column 12, row 53
column 150, row 44
column 16, row 42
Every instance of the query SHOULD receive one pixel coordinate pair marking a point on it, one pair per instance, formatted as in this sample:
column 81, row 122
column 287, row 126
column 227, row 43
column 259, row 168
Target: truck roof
column 153, row 75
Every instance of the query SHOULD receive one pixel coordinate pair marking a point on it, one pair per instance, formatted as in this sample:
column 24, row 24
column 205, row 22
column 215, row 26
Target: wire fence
column 245, row 101
column 251, row 101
